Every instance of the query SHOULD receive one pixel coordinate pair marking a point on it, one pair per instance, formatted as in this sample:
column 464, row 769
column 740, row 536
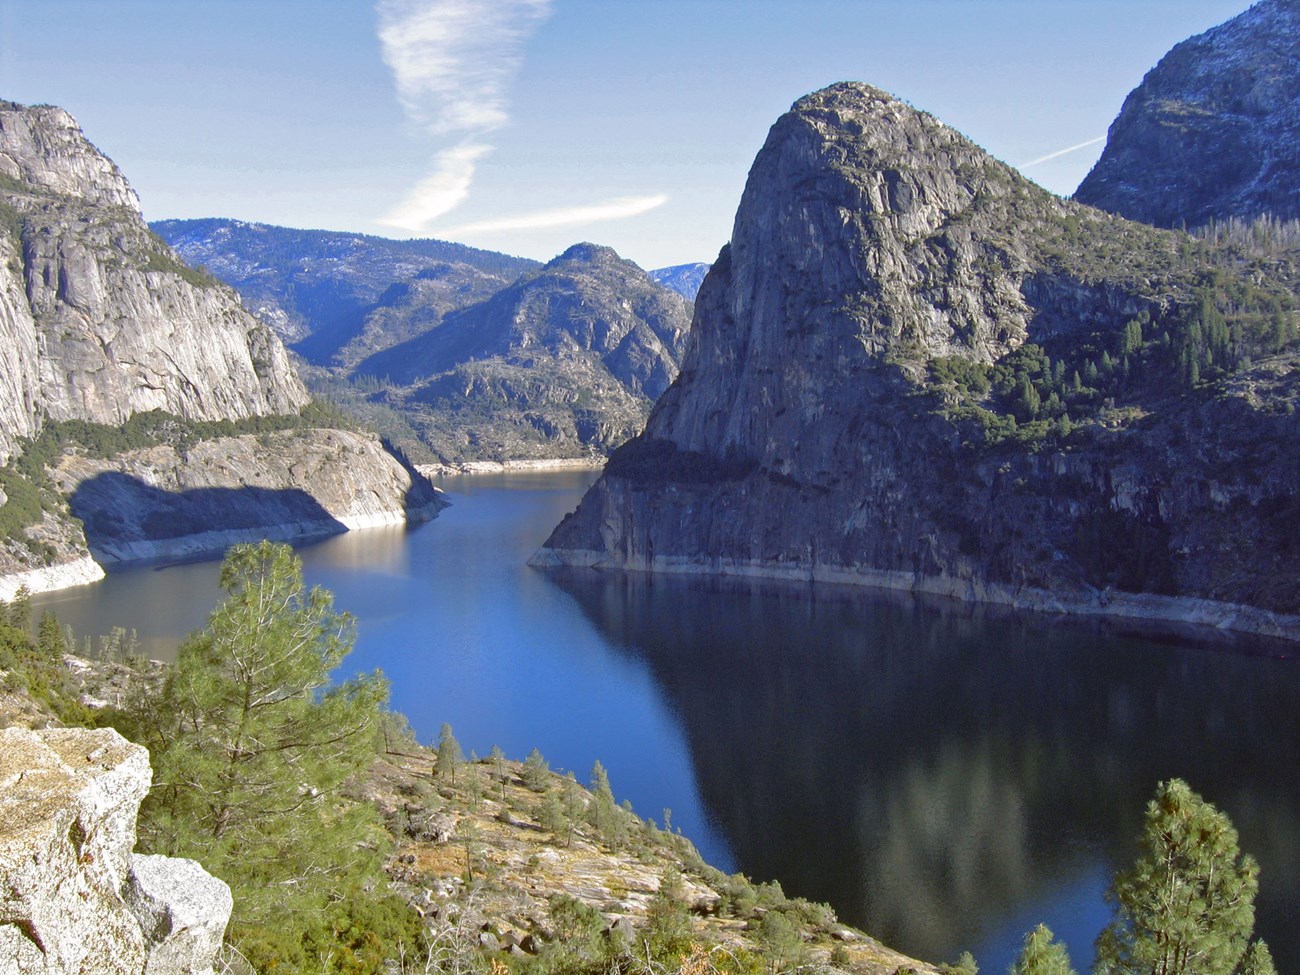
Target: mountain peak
column 1213, row 130
column 588, row 252
column 857, row 400
column 43, row 146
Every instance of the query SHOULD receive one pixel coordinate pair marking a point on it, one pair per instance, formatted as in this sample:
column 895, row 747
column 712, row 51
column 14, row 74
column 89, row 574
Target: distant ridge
column 685, row 279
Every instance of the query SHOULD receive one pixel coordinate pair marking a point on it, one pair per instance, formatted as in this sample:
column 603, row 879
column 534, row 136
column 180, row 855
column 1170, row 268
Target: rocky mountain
column 106, row 325
column 564, row 362
column 913, row 368
column 1213, row 131
column 456, row 354
column 330, row 295
column 685, row 279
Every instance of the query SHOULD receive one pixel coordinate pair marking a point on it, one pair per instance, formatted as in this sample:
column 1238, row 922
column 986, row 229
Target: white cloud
column 441, row 191
column 453, row 62
column 1063, row 152
column 616, row 209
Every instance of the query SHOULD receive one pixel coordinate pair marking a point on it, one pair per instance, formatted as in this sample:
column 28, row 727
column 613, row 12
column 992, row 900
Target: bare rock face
column 44, row 147
column 73, row 897
column 816, row 431
column 103, row 321
column 182, row 910
column 1213, row 130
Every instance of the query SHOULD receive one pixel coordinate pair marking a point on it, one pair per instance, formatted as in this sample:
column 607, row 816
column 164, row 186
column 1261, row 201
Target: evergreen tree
column 1258, row 960
column 50, row 637
column 499, row 771
column 552, row 816
column 450, row 757
column 574, row 805
column 964, row 965
column 603, row 812
column 1187, row 906
column 1042, row 955
column 251, row 743
column 536, row 772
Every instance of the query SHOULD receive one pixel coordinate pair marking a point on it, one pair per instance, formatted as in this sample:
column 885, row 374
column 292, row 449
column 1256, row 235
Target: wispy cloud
column 1062, row 152
column 616, row 209
column 453, row 62
column 441, row 191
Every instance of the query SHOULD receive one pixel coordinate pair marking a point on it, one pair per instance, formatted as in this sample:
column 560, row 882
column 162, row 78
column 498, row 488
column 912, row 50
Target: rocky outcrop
column 166, row 503
column 564, row 362
column 1213, row 131
column 891, row 303
column 75, row 898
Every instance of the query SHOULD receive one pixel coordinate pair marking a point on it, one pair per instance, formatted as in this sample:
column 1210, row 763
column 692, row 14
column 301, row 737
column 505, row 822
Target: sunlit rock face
column 808, row 437
column 1213, row 130
column 101, row 318
column 73, row 896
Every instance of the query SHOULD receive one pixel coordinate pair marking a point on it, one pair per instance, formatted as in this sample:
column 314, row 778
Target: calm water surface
column 945, row 777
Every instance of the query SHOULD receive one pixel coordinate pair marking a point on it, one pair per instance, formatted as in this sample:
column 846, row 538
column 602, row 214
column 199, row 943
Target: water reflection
column 946, row 781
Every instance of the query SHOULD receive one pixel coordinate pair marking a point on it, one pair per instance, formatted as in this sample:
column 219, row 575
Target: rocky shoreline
column 211, row 544
column 512, row 466
column 64, row 575
column 1177, row 610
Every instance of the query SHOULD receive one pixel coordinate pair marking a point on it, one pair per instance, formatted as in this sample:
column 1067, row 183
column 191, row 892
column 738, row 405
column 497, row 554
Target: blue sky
column 527, row 125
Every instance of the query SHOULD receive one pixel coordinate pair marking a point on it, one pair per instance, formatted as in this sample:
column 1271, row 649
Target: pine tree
column 50, row 637
column 251, row 744
column 552, row 816
column 450, row 757
column 1042, row 955
column 603, row 812
column 1187, row 906
column 1258, row 960
column 499, row 771
column 536, row 772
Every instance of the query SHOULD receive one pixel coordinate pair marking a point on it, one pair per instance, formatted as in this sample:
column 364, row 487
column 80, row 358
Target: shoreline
column 1191, row 611
column 472, row 467
column 51, row 578
column 204, row 545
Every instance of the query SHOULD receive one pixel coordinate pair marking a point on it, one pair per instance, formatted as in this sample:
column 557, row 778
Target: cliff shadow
column 124, row 516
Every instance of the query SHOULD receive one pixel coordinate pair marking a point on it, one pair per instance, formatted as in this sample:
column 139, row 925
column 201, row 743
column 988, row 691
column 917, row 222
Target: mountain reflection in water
column 947, row 778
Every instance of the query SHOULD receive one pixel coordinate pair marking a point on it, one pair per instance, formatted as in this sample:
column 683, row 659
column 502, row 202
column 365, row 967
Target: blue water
column 945, row 776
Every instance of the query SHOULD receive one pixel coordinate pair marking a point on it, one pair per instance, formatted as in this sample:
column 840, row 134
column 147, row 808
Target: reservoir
column 945, row 776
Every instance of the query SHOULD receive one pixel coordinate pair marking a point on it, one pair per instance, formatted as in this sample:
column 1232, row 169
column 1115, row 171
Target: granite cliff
column 103, row 321
column 104, row 325
column 913, row 368
column 1213, row 130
